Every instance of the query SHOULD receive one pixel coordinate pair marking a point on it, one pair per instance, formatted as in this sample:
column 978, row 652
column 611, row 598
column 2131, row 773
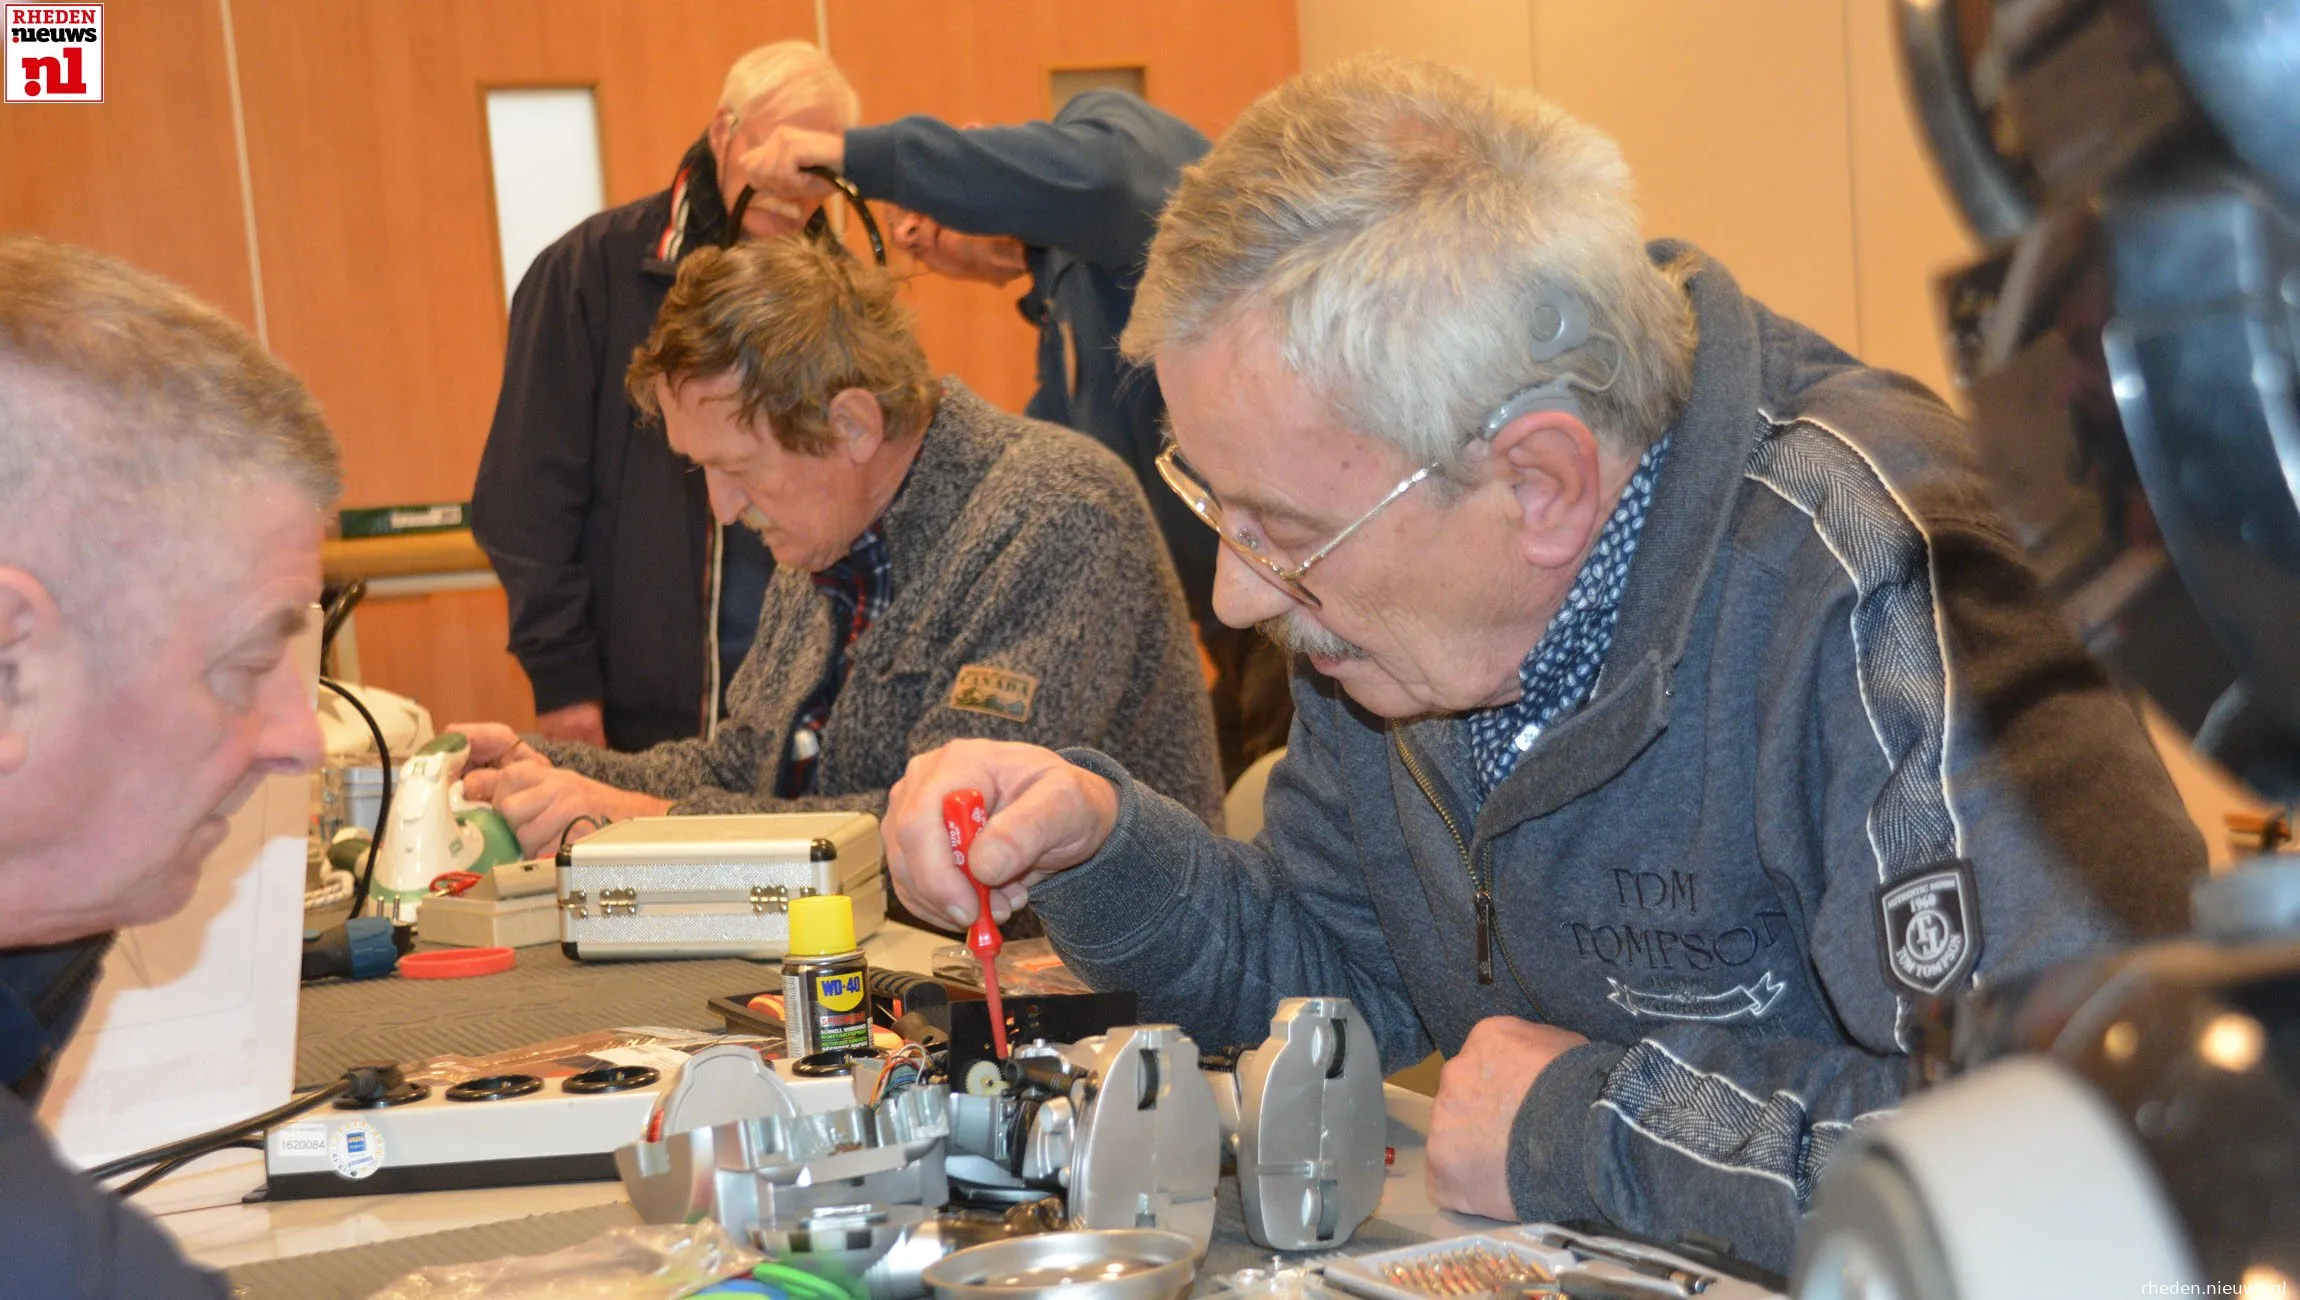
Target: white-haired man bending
column 1681, row 718
column 630, row 606
column 163, row 484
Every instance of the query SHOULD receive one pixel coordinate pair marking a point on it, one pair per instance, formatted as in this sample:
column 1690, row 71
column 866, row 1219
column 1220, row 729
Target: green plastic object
column 501, row 846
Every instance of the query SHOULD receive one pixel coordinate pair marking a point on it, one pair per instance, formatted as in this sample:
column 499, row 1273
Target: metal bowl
column 1123, row 1264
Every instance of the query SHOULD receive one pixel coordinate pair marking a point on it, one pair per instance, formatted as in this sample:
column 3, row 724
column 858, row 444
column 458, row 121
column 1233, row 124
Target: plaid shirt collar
column 858, row 588
column 1558, row 677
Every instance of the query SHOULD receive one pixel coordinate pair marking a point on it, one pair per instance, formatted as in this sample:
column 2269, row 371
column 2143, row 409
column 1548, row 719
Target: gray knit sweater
column 1031, row 601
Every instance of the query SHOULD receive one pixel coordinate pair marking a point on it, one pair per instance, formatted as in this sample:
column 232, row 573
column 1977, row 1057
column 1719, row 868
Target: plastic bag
column 656, row 1261
column 1026, row 968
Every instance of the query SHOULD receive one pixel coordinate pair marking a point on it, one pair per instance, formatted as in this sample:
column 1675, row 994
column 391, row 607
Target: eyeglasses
column 1184, row 479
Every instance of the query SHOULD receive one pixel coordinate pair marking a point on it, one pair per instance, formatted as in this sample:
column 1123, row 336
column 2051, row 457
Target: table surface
column 202, row 1206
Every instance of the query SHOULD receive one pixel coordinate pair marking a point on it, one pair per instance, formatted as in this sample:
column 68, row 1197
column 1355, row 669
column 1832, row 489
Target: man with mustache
column 944, row 569
column 1683, row 718
column 630, row 608
column 163, row 488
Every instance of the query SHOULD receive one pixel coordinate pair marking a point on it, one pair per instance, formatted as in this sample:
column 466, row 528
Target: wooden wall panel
column 367, row 144
column 150, row 174
column 989, row 61
column 1491, row 40
column 1732, row 117
column 413, row 645
column 1775, row 133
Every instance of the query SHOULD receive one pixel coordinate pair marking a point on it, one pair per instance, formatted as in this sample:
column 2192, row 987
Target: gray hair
column 131, row 415
column 1400, row 225
column 794, row 68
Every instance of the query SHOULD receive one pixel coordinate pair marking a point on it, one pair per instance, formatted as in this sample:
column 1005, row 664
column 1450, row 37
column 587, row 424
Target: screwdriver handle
column 963, row 814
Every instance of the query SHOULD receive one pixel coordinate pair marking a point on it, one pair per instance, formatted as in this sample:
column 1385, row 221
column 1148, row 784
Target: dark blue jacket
column 602, row 535
column 60, row 1234
column 1083, row 193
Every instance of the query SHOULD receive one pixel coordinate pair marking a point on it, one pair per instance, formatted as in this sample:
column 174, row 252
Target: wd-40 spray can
column 826, row 1005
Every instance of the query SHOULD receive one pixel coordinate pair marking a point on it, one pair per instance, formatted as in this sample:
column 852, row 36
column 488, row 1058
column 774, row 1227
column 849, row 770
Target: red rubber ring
column 455, row 963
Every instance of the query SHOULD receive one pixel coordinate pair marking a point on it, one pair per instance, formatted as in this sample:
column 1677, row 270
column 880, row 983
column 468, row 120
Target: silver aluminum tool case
column 656, row 887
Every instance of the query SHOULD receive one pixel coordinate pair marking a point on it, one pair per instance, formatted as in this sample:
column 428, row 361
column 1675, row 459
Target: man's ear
column 1550, row 462
column 859, row 424
column 30, row 624
column 722, row 126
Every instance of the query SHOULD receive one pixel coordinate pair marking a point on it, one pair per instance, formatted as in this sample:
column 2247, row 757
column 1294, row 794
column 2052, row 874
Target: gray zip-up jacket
column 1031, row 601
column 1832, row 671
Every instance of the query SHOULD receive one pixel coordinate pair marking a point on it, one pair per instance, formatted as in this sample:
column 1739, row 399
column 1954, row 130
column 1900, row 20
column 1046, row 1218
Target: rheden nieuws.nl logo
column 54, row 54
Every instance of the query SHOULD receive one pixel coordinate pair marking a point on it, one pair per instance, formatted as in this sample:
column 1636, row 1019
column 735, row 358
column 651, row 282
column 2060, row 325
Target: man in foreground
column 1682, row 721
column 163, row 483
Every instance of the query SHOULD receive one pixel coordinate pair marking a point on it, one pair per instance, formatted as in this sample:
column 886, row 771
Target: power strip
column 495, row 1131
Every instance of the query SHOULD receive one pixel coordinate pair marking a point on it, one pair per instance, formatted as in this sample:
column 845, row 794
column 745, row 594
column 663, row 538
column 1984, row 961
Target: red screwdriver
column 963, row 814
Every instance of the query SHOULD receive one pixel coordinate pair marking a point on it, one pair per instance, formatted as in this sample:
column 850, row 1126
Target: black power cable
column 203, row 1143
column 369, row 1081
column 166, row 1167
column 336, row 611
column 359, row 887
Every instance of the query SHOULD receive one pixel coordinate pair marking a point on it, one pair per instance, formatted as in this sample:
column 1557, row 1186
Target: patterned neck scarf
column 857, row 588
column 1562, row 670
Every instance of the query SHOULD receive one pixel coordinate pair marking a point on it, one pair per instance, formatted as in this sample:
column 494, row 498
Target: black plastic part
column 393, row 1179
column 568, row 950
column 613, row 1078
column 1055, row 1017
column 398, row 1096
column 1049, row 1074
column 495, row 1087
column 992, row 1196
column 914, row 991
column 742, row 1018
column 822, row 850
column 918, row 1027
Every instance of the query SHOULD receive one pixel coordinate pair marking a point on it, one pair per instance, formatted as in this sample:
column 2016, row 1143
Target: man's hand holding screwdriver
column 1046, row 816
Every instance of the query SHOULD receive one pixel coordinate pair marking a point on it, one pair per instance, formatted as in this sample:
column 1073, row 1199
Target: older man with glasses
column 1683, row 720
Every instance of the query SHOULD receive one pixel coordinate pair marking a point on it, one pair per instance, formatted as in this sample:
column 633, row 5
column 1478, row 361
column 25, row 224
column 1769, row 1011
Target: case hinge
column 619, row 902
